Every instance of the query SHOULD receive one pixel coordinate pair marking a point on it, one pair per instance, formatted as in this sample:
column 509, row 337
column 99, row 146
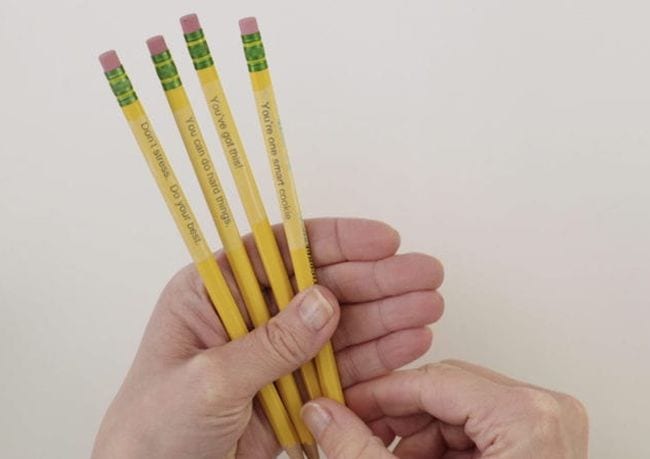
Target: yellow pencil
column 188, row 226
column 223, row 218
column 294, row 226
column 244, row 179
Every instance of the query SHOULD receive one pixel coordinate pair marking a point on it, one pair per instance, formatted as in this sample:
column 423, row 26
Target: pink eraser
column 157, row 45
column 190, row 23
column 109, row 60
column 248, row 26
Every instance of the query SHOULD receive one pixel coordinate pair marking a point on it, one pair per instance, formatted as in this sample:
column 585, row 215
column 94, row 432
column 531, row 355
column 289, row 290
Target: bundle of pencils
column 281, row 405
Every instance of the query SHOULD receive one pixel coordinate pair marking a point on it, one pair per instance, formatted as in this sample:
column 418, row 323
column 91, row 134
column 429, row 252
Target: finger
column 287, row 341
column 376, row 358
column 258, row 439
column 455, row 437
column 366, row 321
column 354, row 282
column 448, row 393
column 183, row 320
column 388, row 428
column 496, row 377
column 467, row 454
column 423, row 444
column 229, row 276
column 185, row 311
column 423, row 436
column 484, row 372
column 334, row 240
column 340, row 433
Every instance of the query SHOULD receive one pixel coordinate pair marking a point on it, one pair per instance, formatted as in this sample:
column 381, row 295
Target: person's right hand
column 449, row 410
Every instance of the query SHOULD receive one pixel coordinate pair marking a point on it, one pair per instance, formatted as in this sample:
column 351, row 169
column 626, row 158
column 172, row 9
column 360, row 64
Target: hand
column 449, row 410
column 189, row 391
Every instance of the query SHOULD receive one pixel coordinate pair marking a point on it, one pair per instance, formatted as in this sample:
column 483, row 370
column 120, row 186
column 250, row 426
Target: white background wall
column 509, row 138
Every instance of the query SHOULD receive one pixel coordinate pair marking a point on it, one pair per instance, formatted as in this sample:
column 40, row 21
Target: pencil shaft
column 224, row 220
column 246, row 186
column 188, row 226
column 294, row 226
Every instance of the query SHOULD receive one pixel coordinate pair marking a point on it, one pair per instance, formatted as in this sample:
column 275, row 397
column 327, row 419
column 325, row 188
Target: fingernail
column 315, row 311
column 316, row 417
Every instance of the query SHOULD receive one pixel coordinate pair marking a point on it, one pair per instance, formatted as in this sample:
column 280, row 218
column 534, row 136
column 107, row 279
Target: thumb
column 288, row 340
column 340, row 433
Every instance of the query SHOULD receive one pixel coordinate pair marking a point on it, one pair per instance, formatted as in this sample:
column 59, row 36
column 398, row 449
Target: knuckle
column 438, row 368
column 204, row 374
column 283, row 343
column 540, row 402
column 541, row 408
column 182, row 281
column 180, row 278
column 452, row 362
column 553, row 417
column 575, row 408
column 201, row 367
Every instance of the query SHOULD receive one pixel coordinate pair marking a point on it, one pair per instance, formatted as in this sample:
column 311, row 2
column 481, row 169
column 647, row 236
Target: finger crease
column 339, row 239
column 381, row 357
column 375, row 279
column 382, row 317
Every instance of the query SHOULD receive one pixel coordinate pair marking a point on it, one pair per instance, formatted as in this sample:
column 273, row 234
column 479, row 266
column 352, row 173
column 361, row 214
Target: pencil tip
column 294, row 452
column 311, row 451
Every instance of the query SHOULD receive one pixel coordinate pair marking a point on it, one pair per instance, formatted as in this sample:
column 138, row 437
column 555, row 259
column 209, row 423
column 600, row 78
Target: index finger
column 446, row 392
column 336, row 240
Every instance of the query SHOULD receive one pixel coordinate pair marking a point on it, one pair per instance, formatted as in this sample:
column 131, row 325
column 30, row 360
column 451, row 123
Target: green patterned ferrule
column 166, row 70
column 121, row 86
column 254, row 52
column 198, row 48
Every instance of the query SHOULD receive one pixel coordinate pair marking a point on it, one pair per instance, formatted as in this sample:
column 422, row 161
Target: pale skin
column 189, row 392
column 450, row 410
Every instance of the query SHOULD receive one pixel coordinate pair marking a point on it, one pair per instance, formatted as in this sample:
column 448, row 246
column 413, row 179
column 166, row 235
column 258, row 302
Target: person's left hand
column 189, row 391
